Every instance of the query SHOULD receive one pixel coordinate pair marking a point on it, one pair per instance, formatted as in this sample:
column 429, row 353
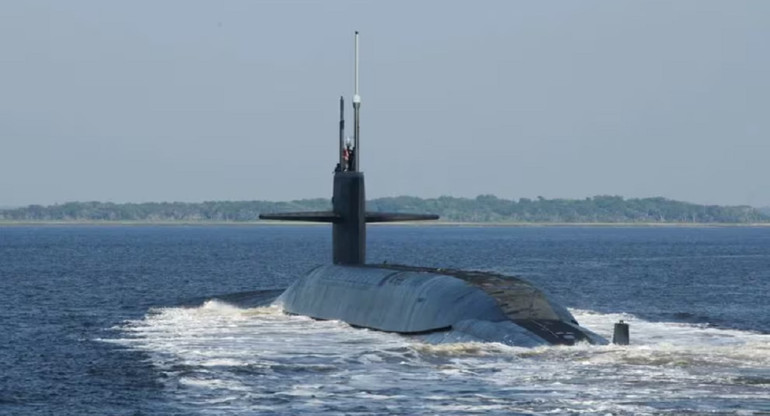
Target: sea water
column 137, row 320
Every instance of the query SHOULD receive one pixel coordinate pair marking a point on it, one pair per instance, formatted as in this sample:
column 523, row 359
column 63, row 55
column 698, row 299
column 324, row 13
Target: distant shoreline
column 484, row 210
column 410, row 224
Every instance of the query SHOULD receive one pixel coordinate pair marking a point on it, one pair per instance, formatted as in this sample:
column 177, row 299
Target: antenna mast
column 342, row 134
column 356, row 107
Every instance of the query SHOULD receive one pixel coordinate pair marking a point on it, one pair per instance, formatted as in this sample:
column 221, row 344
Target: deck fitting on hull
column 620, row 334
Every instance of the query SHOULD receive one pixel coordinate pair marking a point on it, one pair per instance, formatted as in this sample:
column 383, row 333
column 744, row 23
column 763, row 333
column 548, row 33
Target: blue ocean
column 167, row 320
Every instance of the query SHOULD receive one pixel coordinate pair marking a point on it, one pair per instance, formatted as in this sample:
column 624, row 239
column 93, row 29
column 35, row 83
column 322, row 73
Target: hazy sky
column 238, row 100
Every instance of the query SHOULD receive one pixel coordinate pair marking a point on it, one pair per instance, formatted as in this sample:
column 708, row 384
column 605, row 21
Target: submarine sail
column 348, row 215
column 437, row 305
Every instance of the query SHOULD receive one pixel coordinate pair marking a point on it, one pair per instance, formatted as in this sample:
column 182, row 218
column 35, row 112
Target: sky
column 181, row 100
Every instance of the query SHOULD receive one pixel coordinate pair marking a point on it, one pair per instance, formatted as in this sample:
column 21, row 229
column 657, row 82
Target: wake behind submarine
column 436, row 305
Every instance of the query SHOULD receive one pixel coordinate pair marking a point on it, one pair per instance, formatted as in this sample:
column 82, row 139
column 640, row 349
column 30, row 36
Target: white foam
column 237, row 360
column 680, row 343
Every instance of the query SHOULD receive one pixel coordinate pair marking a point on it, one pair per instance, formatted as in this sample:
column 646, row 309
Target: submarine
column 434, row 304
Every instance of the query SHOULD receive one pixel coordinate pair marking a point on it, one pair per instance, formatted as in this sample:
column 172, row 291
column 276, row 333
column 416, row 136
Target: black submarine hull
column 437, row 305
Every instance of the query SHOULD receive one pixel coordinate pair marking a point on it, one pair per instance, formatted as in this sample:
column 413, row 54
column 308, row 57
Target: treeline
column 484, row 208
column 159, row 211
column 599, row 209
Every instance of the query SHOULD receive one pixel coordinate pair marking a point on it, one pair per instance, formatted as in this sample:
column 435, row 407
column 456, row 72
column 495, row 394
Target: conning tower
column 348, row 215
